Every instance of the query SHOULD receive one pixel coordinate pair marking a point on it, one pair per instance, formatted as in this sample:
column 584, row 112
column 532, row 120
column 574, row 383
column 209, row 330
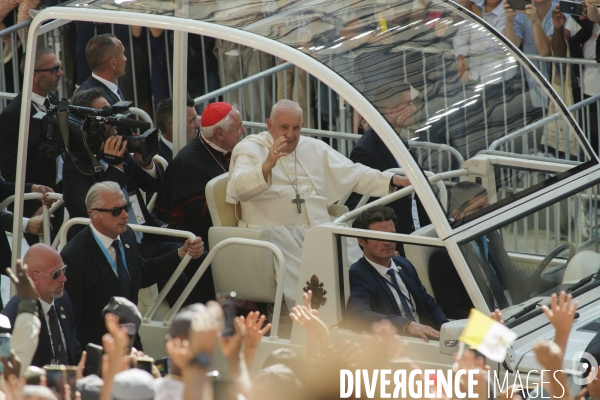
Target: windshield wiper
column 579, row 284
column 524, row 311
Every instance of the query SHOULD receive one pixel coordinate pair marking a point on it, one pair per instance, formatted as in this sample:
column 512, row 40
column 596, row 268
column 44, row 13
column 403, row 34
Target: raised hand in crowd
column 115, row 359
column 593, row 13
column 231, row 347
column 12, row 365
column 253, row 332
column 558, row 18
column 496, row 315
column 308, row 318
column 561, row 314
column 469, row 361
column 550, row 356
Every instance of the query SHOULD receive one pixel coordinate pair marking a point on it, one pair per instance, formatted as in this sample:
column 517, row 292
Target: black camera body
column 82, row 130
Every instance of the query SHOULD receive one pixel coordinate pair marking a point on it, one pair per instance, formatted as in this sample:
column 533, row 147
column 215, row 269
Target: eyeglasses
column 54, row 69
column 55, row 274
column 115, row 211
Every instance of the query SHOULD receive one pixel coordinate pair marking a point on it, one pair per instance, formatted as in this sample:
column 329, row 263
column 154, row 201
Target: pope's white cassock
column 323, row 177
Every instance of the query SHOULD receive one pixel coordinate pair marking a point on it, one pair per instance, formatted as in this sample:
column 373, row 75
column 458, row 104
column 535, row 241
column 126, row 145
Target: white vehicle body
column 556, row 178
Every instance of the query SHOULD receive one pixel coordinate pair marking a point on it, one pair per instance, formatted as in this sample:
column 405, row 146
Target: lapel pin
column 62, row 308
column 126, row 246
column 63, row 316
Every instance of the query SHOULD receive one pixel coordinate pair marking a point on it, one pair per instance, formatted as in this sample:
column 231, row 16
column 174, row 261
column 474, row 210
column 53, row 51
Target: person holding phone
column 533, row 27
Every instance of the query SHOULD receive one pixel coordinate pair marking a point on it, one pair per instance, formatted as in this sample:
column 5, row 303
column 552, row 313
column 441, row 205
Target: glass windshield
column 525, row 261
column 447, row 84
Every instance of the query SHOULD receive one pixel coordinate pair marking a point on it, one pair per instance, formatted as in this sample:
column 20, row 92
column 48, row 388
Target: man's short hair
column 375, row 214
column 164, row 113
column 85, row 98
column 94, row 195
column 99, row 50
column 462, row 193
column 285, row 102
column 224, row 124
column 39, row 53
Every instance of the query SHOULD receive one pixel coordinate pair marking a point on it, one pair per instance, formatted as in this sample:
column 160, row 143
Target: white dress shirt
column 383, row 272
column 107, row 243
column 59, row 313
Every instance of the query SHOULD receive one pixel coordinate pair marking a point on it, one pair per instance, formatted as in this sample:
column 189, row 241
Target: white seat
column 248, row 271
column 583, row 264
column 419, row 256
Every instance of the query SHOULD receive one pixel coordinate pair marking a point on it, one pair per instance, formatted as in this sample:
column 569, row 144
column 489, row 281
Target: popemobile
column 480, row 111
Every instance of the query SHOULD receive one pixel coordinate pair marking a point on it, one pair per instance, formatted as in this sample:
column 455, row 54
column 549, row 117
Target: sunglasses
column 55, row 274
column 115, row 211
column 54, row 69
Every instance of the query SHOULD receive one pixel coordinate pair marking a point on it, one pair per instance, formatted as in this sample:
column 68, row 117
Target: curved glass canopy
column 447, row 85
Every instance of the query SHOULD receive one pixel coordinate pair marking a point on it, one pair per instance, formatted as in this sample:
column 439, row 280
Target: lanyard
column 401, row 293
column 485, row 250
column 108, row 257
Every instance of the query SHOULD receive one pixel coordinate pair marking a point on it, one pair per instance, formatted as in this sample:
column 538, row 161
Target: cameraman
column 132, row 177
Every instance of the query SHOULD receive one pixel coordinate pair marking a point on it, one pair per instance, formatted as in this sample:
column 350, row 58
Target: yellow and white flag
column 490, row 338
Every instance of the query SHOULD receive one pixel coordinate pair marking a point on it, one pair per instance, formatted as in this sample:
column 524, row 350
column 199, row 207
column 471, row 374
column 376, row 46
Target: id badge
column 136, row 208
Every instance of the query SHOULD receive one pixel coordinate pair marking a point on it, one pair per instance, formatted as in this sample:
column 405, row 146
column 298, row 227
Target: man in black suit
column 104, row 261
column 164, row 122
column 58, row 342
column 105, row 55
column 395, row 101
column 384, row 286
column 492, row 268
column 41, row 170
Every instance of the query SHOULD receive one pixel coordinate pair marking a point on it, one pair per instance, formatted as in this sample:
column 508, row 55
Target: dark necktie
column 120, row 94
column 497, row 289
column 401, row 295
column 121, row 271
column 47, row 103
column 60, row 354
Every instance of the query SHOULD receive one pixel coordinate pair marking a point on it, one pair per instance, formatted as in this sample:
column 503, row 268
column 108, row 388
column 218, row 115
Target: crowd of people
column 86, row 295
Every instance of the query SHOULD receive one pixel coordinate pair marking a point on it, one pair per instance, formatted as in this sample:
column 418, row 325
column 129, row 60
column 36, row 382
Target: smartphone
column 518, row 4
column 570, row 7
column 56, row 377
column 227, row 301
column 93, row 359
column 163, row 365
column 145, row 363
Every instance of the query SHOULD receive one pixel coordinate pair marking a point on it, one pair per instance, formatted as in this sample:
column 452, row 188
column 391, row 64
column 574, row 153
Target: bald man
column 58, row 342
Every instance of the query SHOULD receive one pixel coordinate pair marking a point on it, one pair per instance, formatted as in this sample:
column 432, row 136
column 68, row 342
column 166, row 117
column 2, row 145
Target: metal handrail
column 564, row 60
column 309, row 131
column 279, row 266
column 399, row 194
column 16, row 27
column 7, row 95
column 143, row 114
column 236, row 85
column 524, row 130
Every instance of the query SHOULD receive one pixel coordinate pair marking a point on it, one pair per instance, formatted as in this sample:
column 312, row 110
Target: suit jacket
column 91, row 281
column 38, row 170
column 92, row 82
column 372, row 152
column 371, row 298
column 164, row 151
column 44, row 353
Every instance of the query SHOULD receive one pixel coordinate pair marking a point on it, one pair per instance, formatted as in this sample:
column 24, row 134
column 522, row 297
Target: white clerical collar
column 105, row 240
column 165, row 141
column 382, row 269
column 46, row 306
column 214, row 146
column 113, row 88
column 39, row 100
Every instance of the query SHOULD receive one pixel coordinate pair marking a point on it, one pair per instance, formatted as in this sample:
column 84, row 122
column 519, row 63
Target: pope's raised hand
column 275, row 153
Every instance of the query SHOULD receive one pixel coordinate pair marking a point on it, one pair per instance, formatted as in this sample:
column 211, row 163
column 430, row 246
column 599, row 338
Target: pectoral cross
column 298, row 201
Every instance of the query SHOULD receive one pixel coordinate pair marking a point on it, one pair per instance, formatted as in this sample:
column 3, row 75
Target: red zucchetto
column 214, row 112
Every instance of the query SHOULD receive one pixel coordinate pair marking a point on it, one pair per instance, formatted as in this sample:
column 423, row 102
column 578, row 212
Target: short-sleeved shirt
column 524, row 30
